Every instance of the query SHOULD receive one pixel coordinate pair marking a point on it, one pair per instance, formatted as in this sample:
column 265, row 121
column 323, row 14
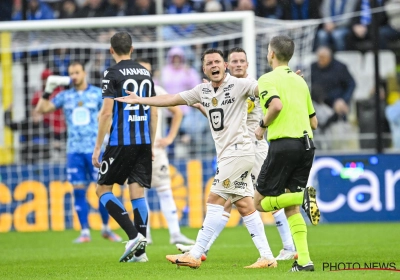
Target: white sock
column 256, row 229
column 168, row 208
column 105, row 228
column 284, row 230
column 211, row 221
column 218, row 230
column 85, row 231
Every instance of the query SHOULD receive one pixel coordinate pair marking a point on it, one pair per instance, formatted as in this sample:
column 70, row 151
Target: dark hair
column 142, row 60
column 210, row 51
column 283, row 47
column 121, row 42
column 236, row 50
column 73, row 63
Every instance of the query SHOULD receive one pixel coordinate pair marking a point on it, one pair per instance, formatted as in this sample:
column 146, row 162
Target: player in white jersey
column 224, row 100
column 160, row 179
column 237, row 65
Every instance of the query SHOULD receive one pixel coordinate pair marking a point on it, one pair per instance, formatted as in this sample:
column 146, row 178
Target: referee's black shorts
column 132, row 162
column 287, row 166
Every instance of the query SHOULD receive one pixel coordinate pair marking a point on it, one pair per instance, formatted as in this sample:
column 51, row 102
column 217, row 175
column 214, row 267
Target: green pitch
column 51, row 255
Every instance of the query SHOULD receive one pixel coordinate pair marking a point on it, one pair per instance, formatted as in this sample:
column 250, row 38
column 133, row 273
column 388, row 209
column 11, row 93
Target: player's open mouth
column 216, row 72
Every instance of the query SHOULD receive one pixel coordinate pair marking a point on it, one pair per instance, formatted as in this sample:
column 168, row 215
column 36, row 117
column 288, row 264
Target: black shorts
column 287, row 166
column 126, row 162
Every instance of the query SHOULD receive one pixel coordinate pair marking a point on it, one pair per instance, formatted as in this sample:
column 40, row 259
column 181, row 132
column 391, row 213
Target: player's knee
column 102, row 189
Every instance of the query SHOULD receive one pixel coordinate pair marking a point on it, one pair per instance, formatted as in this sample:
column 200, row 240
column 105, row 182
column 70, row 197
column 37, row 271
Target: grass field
column 51, row 255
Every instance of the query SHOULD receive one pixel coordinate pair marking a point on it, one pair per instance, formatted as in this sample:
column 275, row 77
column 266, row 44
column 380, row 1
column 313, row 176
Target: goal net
column 35, row 194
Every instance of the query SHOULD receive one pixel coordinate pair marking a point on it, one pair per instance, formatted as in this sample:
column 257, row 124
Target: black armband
column 46, row 95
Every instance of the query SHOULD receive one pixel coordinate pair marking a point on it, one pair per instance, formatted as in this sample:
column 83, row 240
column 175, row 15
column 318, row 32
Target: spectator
column 69, row 8
column 141, row 7
column 335, row 84
column 34, row 137
column 37, row 10
column 116, row 8
column 301, row 9
column 334, row 31
column 55, row 120
column 391, row 31
column 245, row 5
column 270, row 9
column 212, row 6
column 360, row 35
column 177, row 75
column 181, row 30
column 6, row 9
column 93, row 8
column 392, row 113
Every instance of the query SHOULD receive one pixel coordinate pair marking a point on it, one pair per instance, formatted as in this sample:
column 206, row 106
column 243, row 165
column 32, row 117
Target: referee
column 290, row 118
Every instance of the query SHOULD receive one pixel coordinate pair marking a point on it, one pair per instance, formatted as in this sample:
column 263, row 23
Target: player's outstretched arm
column 158, row 101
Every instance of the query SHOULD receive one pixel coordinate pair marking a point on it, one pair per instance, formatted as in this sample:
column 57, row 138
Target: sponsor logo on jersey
column 216, row 181
column 134, row 71
column 135, row 118
column 205, row 90
column 105, row 81
column 228, row 101
column 164, row 168
column 214, row 102
column 240, row 185
column 206, row 104
column 227, row 95
column 226, row 183
column 229, row 87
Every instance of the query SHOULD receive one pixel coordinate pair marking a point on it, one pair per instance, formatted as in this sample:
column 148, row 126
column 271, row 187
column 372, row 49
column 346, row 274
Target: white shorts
column 233, row 178
column 160, row 171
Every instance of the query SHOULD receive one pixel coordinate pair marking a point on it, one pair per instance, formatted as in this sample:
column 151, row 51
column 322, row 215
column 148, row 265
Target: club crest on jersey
column 226, row 183
column 80, row 103
column 214, row 102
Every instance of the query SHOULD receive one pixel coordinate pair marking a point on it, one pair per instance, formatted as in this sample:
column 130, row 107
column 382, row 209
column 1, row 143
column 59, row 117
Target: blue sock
column 106, row 197
column 140, row 215
column 118, row 212
column 81, row 207
column 104, row 214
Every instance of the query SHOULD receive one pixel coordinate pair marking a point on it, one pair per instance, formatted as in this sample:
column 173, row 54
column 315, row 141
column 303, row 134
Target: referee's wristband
column 46, row 95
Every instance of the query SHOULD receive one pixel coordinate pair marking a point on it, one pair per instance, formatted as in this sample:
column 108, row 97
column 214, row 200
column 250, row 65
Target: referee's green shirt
column 295, row 96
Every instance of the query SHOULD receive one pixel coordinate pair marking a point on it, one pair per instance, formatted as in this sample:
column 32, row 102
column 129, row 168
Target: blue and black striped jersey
column 130, row 123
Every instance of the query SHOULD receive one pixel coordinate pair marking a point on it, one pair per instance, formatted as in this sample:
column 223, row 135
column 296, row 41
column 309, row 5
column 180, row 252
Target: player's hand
column 152, row 154
column 205, row 81
column 298, row 72
column 132, row 98
column 259, row 132
column 163, row 142
column 95, row 158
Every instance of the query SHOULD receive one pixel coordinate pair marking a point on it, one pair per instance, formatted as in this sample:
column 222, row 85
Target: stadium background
column 357, row 168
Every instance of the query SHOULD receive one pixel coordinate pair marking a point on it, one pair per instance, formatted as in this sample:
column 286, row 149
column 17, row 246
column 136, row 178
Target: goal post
column 50, row 45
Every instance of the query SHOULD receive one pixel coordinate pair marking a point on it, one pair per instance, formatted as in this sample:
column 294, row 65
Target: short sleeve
column 108, row 85
column 267, row 91
column 191, row 96
column 310, row 106
column 58, row 100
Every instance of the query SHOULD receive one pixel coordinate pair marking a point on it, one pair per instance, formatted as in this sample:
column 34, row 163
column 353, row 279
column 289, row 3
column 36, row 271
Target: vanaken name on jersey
column 134, row 71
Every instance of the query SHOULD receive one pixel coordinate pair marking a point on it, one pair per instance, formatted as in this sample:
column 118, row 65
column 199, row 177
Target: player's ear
column 131, row 51
column 111, row 51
